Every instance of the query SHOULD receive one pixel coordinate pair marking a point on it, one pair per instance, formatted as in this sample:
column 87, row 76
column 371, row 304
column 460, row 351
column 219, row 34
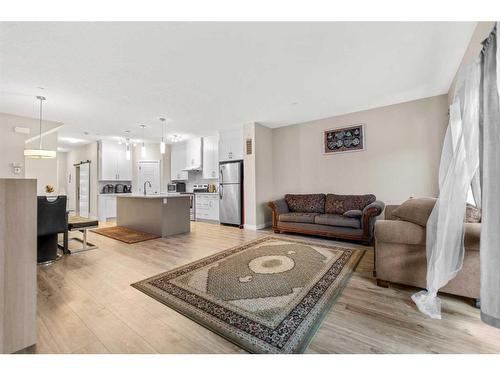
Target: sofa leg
column 476, row 302
column 382, row 283
column 277, row 231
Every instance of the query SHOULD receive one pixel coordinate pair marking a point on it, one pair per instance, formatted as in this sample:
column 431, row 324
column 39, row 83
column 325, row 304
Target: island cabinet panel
column 18, row 230
column 163, row 215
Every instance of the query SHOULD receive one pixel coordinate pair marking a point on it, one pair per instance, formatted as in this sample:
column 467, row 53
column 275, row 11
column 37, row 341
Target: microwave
column 176, row 187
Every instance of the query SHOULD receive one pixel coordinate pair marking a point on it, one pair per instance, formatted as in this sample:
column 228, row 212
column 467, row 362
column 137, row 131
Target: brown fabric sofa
column 341, row 216
column 400, row 256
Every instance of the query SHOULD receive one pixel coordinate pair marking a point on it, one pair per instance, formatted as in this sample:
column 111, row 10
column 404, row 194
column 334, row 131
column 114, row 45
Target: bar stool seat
column 80, row 224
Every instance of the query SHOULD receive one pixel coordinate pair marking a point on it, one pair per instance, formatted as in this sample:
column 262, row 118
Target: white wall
column 62, row 172
column 403, row 148
column 152, row 153
column 12, row 147
column 258, row 176
column 250, row 182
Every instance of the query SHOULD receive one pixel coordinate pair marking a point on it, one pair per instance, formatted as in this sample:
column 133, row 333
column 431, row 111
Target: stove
column 200, row 188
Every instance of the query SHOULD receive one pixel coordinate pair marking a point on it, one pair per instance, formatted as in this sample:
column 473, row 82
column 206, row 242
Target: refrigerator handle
column 221, row 187
column 221, row 176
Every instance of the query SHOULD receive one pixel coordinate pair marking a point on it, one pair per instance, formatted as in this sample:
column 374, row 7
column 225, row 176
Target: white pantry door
column 149, row 170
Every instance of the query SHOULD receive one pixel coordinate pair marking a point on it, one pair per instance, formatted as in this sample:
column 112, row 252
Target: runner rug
column 126, row 235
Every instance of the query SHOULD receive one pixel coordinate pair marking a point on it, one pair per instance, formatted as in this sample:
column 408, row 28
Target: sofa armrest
column 374, row 209
column 370, row 212
column 278, row 207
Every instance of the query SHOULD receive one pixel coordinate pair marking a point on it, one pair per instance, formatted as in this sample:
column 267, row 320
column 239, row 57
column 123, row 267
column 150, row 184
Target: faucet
column 146, row 182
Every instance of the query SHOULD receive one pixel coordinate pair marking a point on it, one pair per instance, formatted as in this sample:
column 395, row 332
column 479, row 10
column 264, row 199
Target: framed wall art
column 346, row 139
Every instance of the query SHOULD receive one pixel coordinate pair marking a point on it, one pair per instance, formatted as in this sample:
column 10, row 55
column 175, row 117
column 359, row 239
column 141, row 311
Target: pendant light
column 162, row 143
column 40, row 153
column 143, row 147
column 127, row 148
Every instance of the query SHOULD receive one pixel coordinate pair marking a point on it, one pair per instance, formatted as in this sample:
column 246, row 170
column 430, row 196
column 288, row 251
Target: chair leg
column 382, row 283
column 476, row 303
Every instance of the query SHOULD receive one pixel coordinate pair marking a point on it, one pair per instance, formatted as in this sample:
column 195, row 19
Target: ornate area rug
column 125, row 234
column 267, row 296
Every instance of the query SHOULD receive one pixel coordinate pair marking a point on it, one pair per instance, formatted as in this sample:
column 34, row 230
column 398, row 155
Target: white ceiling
column 104, row 78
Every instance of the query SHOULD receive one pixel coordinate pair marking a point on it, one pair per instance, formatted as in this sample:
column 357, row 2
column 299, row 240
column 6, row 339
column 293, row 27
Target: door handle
column 220, row 191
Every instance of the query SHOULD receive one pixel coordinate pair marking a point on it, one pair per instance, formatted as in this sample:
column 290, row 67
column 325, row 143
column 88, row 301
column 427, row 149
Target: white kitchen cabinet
column 113, row 163
column 194, row 153
column 231, row 145
column 210, row 157
column 106, row 207
column 207, row 207
column 178, row 157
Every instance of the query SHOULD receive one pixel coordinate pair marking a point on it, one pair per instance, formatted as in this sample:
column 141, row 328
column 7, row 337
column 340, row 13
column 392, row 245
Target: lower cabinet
column 107, row 207
column 207, row 207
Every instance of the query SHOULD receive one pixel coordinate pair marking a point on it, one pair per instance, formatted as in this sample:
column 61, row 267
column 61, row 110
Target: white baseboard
column 257, row 227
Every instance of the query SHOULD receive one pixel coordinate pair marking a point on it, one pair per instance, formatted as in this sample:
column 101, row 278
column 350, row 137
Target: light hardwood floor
column 86, row 305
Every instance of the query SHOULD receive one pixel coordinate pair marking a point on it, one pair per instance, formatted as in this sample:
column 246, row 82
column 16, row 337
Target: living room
column 249, row 187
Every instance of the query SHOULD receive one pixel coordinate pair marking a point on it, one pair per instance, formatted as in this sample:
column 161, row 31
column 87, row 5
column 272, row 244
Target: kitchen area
column 209, row 170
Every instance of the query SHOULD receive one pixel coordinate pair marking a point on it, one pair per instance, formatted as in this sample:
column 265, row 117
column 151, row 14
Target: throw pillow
column 416, row 210
column 472, row 214
column 306, row 202
column 338, row 204
column 353, row 213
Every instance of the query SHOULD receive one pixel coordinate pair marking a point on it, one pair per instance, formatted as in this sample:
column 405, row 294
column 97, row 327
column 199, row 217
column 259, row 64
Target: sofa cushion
column 298, row 217
column 338, row 221
column 472, row 214
column 415, row 210
column 305, row 202
column 338, row 204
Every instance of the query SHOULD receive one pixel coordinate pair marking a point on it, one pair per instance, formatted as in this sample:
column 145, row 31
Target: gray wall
column 403, row 148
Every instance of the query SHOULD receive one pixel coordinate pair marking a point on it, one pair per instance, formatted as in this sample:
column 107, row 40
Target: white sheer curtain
column 459, row 164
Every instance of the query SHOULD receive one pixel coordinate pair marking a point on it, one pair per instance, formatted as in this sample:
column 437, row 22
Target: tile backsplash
column 196, row 177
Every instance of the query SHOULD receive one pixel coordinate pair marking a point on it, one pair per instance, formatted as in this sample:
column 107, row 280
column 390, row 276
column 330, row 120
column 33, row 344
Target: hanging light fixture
column 162, row 143
column 127, row 148
column 40, row 153
column 143, row 147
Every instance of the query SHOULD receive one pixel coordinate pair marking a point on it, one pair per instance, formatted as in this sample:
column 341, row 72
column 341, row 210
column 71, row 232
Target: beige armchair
column 400, row 256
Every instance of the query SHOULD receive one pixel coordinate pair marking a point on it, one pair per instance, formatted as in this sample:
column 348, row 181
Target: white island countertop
column 155, row 196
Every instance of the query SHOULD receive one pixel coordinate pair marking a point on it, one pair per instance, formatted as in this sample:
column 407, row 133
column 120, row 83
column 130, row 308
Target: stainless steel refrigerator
column 230, row 193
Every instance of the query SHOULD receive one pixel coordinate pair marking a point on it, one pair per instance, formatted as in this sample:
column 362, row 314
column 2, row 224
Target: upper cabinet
column 231, row 145
column 113, row 163
column 210, row 157
column 194, row 154
column 178, row 159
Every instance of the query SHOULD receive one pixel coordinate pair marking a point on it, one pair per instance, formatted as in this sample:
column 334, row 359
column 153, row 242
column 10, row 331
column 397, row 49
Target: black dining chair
column 52, row 220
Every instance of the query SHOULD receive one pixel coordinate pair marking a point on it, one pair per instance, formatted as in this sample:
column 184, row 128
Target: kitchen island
column 163, row 215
